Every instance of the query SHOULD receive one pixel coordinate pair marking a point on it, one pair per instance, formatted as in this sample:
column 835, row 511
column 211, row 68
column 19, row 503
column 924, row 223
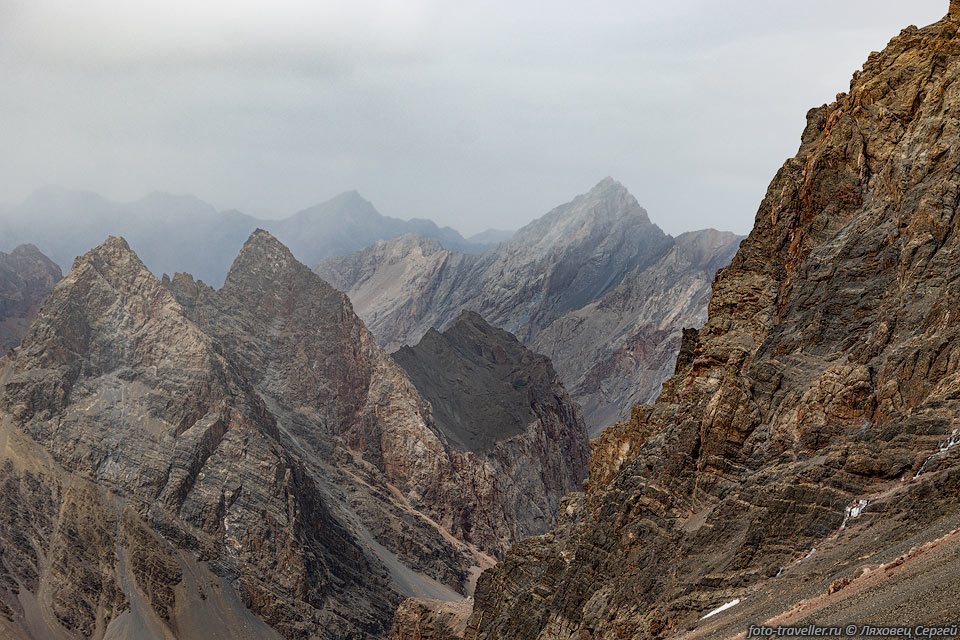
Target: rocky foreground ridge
column 26, row 278
column 183, row 462
column 801, row 466
column 594, row 285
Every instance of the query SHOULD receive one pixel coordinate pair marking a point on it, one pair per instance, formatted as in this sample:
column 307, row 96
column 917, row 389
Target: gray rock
column 593, row 284
column 825, row 378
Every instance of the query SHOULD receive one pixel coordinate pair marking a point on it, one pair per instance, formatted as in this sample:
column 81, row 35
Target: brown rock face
column 593, row 285
column 811, row 425
column 26, row 278
column 430, row 620
column 178, row 461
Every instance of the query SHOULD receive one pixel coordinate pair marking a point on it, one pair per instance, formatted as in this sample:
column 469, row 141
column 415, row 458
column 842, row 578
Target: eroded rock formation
column 500, row 406
column 26, row 278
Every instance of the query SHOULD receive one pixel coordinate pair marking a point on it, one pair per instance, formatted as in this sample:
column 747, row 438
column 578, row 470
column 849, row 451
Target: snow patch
column 810, row 553
column 853, row 511
column 945, row 446
column 724, row 607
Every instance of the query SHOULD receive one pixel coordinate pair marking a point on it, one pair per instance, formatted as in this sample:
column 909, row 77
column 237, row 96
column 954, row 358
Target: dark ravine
column 26, row 278
column 179, row 461
column 594, row 285
column 801, row 465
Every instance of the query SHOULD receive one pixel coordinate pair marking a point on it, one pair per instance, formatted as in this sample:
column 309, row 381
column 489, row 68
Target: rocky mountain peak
column 611, row 190
column 607, row 206
column 473, row 320
column 593, row 284
column 483, row 384
column 348, row 207
column 113, row 260
column 262, row 259
column 26, row 250
column 255, row 433
column 267, row 277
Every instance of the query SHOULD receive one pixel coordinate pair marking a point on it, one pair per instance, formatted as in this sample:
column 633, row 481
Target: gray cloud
column 476, row 116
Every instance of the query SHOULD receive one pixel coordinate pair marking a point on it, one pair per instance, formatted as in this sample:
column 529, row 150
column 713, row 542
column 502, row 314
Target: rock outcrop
column 179, row 461
column 809, row 432
column 418, row 619
column 593, row 284
column 26, row 278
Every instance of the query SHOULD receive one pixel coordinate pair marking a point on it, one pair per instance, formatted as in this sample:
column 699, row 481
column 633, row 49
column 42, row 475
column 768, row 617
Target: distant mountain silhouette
column 183, row 233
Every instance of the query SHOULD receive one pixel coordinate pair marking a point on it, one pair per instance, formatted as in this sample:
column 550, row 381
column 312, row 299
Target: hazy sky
column 474, row 114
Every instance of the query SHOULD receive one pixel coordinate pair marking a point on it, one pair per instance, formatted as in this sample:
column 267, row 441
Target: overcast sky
column 474, row 114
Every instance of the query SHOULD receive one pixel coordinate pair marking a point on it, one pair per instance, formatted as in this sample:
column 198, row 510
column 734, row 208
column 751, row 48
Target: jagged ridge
column 252, row 446
column 593, row 284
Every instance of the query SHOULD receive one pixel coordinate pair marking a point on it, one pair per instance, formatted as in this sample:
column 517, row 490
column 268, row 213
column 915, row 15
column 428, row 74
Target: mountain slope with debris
column 178, row 461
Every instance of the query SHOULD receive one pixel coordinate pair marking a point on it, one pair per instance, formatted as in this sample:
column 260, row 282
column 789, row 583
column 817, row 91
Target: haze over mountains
column 184, row 462
column 593, row 284
column 183, row 233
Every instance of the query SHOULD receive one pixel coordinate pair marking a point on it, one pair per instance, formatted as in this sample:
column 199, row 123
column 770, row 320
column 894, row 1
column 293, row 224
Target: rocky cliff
column 593, row 284
column 801, row 465
column 178, row 461
column 26, row 278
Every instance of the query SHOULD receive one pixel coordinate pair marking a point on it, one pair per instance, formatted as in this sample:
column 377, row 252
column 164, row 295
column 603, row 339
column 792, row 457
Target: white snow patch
column 853, row 511
column 812, row 551
column 732, row 603
column 945, row 446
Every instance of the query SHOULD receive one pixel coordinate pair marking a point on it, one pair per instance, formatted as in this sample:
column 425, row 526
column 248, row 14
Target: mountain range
column 593, row 284
column 258, row 460
column 801, row 467
column 183, row 233
column 183, row 461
